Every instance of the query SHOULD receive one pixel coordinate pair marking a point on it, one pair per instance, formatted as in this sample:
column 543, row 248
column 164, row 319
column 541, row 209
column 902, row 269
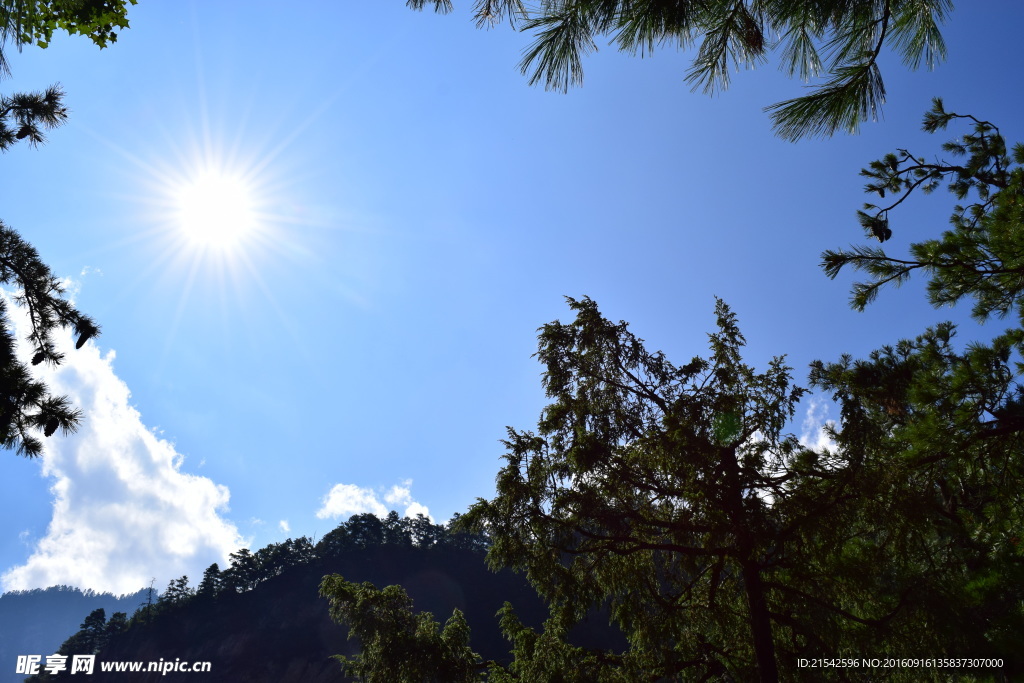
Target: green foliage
column 367, row 530
column 547, row 656
column 211, row 584
column 666, row 493
column 982, row 257
column 937, row 436
column 399, row 646
column 722, row 548
column 221, row 591
column 34, row 21
column 837, row 39
column 939, row 433
column 249, row 569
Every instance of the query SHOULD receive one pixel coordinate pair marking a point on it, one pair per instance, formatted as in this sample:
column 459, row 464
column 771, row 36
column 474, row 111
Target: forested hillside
column 261, row 618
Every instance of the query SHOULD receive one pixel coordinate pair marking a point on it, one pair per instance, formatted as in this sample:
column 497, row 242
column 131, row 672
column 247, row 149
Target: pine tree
column 841, row 40
column 980, row 257
column 26, row 405
column 244, row 573
column 937, row 527
column 90, row 637
column 668, row 494
column 26, row 115
column 212, row 583
column 942, row 429
column 177, row 593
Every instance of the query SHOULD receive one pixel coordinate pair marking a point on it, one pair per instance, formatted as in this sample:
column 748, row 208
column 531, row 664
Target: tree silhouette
column 211, row 584
column 663, row 491
column 26, row 404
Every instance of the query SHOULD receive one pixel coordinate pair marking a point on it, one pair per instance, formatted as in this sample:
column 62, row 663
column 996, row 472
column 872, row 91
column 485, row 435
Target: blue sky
column 418, row 212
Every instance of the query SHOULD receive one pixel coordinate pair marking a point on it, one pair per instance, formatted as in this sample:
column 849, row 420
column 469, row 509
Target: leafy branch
column 982, row 256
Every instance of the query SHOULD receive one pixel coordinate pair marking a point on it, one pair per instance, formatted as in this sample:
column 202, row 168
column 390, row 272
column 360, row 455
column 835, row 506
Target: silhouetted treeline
column 261, row 618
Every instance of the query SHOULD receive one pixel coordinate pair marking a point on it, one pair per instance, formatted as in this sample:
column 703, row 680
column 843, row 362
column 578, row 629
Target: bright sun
column 215, row 210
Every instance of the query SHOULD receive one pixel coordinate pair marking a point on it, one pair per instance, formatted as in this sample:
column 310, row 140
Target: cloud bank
column 123, row 511
column 345, row 500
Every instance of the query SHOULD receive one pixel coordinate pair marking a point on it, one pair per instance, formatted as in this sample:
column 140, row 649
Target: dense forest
column 260, row 619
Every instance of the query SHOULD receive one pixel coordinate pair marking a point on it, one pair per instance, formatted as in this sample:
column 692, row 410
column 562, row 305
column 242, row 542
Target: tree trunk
column 760, row 621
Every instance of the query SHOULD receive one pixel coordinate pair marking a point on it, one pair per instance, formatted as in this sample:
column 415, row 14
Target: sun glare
column 215, row 210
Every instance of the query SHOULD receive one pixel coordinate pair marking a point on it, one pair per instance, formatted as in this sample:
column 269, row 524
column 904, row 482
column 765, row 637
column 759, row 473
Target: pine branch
column 556, row 54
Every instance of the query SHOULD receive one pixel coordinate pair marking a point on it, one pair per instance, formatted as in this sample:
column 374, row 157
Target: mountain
column 36, row 622
column 262, row 620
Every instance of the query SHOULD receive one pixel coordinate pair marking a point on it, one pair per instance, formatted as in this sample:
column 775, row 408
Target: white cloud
column 399, row 494
column 345, row 500
column 813, row 435
column 123, row 511
column 284, row 526
column 417, row 509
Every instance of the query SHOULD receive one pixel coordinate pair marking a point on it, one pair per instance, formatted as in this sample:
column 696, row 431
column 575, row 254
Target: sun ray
column 221, row 214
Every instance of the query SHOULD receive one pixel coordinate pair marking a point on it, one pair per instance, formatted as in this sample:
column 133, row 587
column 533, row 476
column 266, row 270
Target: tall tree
column 838, row 40
column 211, row 584
column 724, row 548
column 90, row 637
column 662, row 491
column 244, row 573
column 177, row 593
